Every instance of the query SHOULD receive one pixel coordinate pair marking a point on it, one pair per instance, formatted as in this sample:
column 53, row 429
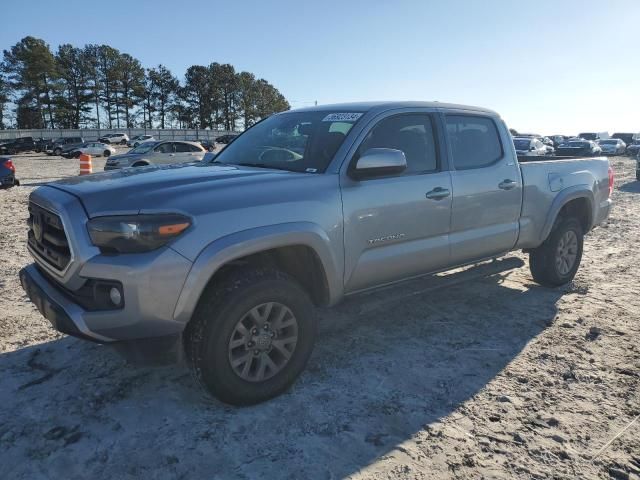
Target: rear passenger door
column 487, row 187
column 396, row 226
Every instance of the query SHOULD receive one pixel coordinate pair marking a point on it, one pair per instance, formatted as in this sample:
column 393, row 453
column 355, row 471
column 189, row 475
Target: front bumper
column 64, row 316
column 151, row 282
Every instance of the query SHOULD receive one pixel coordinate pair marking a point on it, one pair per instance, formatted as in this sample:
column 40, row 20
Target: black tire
column 209, row 333
column 57, row 151
column 123, row 142
column 140, row 164
column 76, row 154
column 638, row 175
column 106, row 153
column 543, row 261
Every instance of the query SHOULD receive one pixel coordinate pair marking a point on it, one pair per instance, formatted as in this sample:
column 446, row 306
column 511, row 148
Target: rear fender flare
column 565, row 196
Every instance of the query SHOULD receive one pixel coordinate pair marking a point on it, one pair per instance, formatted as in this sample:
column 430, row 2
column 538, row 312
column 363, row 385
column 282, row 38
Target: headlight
column 136, row 233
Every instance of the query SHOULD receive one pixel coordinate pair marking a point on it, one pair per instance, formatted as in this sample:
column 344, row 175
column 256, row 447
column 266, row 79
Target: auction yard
column 476, row 374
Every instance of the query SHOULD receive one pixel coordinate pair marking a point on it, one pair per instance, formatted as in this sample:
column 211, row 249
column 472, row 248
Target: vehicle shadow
column 631, row 187
column 387, row 365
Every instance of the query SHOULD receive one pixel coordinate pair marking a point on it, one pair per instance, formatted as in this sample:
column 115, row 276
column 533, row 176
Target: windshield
column 522, row 144
column 608, row 142
column 143, row 147
column 578, row 144
column 588, row 136
column 296, row 141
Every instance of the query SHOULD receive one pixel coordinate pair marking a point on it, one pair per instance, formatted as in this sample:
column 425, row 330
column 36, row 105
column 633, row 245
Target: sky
column 548, row 67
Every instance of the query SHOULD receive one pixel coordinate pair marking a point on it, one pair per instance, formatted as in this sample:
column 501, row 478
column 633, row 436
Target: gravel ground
column 472, row 374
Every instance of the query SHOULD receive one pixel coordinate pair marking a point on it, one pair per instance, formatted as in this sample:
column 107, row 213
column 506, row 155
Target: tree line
column 98, row 86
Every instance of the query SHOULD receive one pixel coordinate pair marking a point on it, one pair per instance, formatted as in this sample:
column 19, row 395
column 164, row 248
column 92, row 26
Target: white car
column 115, row 138
column 95, row 149
column 529, row 147
column 613, row 146
column 138, row 139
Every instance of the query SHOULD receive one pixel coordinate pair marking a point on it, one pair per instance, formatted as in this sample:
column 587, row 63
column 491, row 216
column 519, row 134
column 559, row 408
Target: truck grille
column 47, row 238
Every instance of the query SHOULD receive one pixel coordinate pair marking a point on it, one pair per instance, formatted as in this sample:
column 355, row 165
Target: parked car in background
column 226, row 139
column 19, row 145
column 594, row 136
column 558, row 140
column 627, row 138
column 634, row 148
column 138, row 139
column 40, row 144
column 583, row 148
column 95, row 149
column 56, row 147
column 153, row 153
column 7, row 173
column 612, row 146
column 529, row 147
column 638, row 165
column 114, row 138
column 208, row 145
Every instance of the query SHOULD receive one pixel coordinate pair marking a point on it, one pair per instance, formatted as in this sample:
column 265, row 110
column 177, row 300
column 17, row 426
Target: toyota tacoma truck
column 227, row 258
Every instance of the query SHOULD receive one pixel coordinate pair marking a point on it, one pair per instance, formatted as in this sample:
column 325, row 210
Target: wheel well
column 140, row 164
column 299, row 261
column 578, row 208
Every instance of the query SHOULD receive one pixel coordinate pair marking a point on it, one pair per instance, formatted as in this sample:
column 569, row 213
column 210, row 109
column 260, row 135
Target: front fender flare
column 255, row 240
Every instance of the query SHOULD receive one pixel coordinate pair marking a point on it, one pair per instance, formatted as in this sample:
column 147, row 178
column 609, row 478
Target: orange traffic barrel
column 85, row 164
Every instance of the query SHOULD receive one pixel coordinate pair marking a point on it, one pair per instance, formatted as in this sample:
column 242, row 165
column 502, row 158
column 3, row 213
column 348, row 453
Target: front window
column 143, row 147
column 608, row 142
column 295, row 141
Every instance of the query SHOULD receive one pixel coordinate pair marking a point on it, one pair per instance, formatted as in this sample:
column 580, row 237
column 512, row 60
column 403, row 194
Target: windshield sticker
column 342, row 117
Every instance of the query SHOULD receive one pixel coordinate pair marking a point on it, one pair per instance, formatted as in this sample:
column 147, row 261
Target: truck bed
column 549, row 178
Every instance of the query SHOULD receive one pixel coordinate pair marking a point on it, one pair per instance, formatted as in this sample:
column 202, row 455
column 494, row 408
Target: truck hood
column 167, row 187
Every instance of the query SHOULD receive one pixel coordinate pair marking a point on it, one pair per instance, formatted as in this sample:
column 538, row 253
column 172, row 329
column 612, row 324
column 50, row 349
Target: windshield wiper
column 263, row 165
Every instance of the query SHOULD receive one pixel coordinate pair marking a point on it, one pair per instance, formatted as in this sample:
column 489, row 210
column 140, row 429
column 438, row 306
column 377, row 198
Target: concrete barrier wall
column 90, row 134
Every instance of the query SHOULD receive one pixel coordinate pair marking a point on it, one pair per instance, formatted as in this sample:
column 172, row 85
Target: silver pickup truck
column 227, row 258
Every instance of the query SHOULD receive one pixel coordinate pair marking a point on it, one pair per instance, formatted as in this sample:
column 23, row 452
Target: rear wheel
column 106, row 153
column 123, row 142
column 557, row 260
column 251, row 336
column 57, row 151
column 76, row 154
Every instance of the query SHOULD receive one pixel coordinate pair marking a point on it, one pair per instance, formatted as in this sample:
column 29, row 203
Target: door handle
column 507, row 184
column 438, row 193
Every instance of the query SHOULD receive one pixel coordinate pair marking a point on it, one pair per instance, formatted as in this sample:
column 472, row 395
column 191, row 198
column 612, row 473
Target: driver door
column 397, row 226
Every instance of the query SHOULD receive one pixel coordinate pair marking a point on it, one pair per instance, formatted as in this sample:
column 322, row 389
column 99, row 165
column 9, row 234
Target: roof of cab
column 389, row 105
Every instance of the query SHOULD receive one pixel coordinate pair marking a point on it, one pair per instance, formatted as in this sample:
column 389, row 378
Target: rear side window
column 410, row 133
column 182, row 147
column 475, row 142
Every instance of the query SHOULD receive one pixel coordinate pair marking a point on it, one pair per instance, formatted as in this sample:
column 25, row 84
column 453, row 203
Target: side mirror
column 377, row 162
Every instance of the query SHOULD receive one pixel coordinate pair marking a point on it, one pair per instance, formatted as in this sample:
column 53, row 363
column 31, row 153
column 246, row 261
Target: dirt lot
column 469, row 375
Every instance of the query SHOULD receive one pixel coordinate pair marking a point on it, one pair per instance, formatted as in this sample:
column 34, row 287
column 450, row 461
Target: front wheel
column 251, row 336
column 556, row 261
column 106, row 153
column 123, row 142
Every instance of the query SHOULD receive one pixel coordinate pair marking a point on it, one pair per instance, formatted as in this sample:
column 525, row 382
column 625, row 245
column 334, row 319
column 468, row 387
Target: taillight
column 610, row 180
column 9, row 164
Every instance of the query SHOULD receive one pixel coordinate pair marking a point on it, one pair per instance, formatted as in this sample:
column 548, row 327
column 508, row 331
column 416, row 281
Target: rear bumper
column 7, row 181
